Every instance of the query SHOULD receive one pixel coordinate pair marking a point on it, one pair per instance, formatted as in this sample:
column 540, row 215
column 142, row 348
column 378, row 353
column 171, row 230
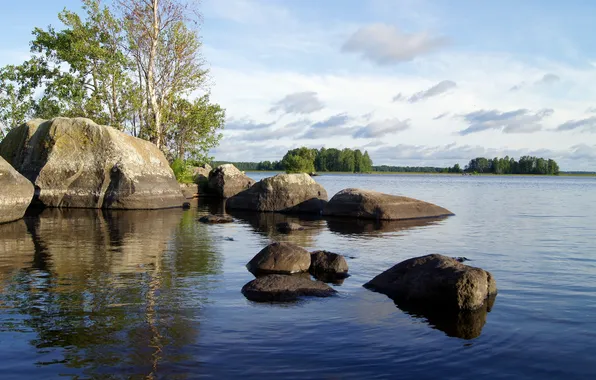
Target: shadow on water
column 454, row 323
column 107, row 291
column 368, row 227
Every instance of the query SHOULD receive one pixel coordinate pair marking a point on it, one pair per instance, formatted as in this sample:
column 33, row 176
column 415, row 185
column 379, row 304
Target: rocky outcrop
column 282, row 288
column 436, row 279
column 289, row 193
column 216, row 219
column 287, row 227
column 328, row 264
column 225, row 181
column 16, row 193
column 280, row 258
column 366, row 204
column 189, row 190
column 201, row 178
column 77, row 163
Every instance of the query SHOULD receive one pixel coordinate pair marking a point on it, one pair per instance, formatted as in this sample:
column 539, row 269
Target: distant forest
column 305, row 160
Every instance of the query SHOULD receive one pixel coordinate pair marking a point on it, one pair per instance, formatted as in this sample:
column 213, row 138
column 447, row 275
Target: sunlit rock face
column 16, row 193
column 78, row 163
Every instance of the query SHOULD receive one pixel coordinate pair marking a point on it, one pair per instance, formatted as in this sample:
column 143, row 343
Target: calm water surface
column 154, row 294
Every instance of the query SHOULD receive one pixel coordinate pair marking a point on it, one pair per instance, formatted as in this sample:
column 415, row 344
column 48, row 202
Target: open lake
column 155, row 294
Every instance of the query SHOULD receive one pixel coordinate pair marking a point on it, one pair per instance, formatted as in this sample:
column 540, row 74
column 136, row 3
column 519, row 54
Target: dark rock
column 283, row 258
column 287, row 227
column 226, row 181
column 77, row 163
column 288, row 193
column 438, row 279
column 285, row 288
column 16, row 193
column 461, row 259
column 186, row 205
column 366, row 204
column 328, row 263
column 216, row 219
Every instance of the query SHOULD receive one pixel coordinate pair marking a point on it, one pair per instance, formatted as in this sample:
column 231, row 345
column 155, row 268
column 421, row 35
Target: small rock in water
column 280, row 258
column 461, row 259
column 227, row 238
column 328, row 265
column 216, row 219
column 286, row 227
column 186, row 205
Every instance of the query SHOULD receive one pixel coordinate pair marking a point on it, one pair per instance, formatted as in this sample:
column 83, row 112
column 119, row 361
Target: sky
column 413, row 82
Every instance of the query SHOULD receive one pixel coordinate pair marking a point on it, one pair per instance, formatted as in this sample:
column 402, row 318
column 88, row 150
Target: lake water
column 154, row 294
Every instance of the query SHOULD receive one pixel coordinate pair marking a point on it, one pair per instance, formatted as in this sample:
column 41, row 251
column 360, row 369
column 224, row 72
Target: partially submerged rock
column 225, row 181
column 16, row 193
column 284, row 288
column 287, row 227
column 77, row 163
column 328, row 263
column 289, row 193
column 216, row 219
column 438, row 279
column 367, row 204
column 281, row 258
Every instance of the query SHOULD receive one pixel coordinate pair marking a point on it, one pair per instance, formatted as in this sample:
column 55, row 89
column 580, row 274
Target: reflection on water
column 369, row 227
column 454, row 323
column 106, row 289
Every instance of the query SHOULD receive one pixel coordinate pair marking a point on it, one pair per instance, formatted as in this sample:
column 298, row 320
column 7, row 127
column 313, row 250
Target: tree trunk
column 151, row 77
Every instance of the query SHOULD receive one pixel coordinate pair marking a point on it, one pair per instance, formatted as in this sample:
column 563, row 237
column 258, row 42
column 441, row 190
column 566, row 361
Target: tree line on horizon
column 306, row 160
column 135, row 66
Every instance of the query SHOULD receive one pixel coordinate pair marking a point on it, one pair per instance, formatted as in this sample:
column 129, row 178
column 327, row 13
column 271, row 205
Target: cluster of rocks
column 283, row 272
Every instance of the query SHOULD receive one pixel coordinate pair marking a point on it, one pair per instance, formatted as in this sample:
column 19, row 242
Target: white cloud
column 583, row 125
column 381, row 128
column 438, row 89
column 298, row 103
column 518, row 121
column 386, row 44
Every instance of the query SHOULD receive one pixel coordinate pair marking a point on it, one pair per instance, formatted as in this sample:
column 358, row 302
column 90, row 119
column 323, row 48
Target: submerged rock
column 78, row 163
column 285, row 288
column 328, row 265
column 216, row 219
column 438, row 279
column 289, row 193
column 226, row 181
column 367, row 204
column 282, row 258
column 287, row 227
column 16, row 193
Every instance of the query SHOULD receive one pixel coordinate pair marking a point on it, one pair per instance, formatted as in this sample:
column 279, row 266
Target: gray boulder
column 290, row 193
column 366, row 204
column 281, row 258
column 77, row 163
column 216, row 219
column 284, row 288
column 225, row 181
column 328, row 263
column 201, row 178
column 436, row 279
column 189, row 190
column 16, row 193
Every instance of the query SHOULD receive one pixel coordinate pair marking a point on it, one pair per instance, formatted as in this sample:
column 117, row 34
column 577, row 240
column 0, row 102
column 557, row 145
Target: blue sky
column 415, row 82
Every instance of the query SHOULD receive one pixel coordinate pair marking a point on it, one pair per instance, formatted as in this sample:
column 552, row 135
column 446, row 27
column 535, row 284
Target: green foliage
column 182, row 170
column 110, row 67
column 300, row 160
column 525, row 165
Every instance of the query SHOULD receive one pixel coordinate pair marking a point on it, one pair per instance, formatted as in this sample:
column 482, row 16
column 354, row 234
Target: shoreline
column 449, row 174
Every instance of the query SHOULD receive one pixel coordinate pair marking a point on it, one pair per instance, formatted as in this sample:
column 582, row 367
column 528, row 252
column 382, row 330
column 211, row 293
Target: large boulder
column 189, row 190
column 226, row 180
column 77, row 163
column 436, row 279
column 201, row 178
column 281, row 258
column 282, row 193
column 16, row 193
column 283, row 288
column 366, row 204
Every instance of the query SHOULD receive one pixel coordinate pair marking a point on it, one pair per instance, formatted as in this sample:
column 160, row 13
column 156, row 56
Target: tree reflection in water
column 107, row 291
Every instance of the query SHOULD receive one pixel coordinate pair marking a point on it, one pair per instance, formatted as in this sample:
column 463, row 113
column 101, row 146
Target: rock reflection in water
column 454, row 323
column 265, row 224
column 98, row 288
column 368, row 227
